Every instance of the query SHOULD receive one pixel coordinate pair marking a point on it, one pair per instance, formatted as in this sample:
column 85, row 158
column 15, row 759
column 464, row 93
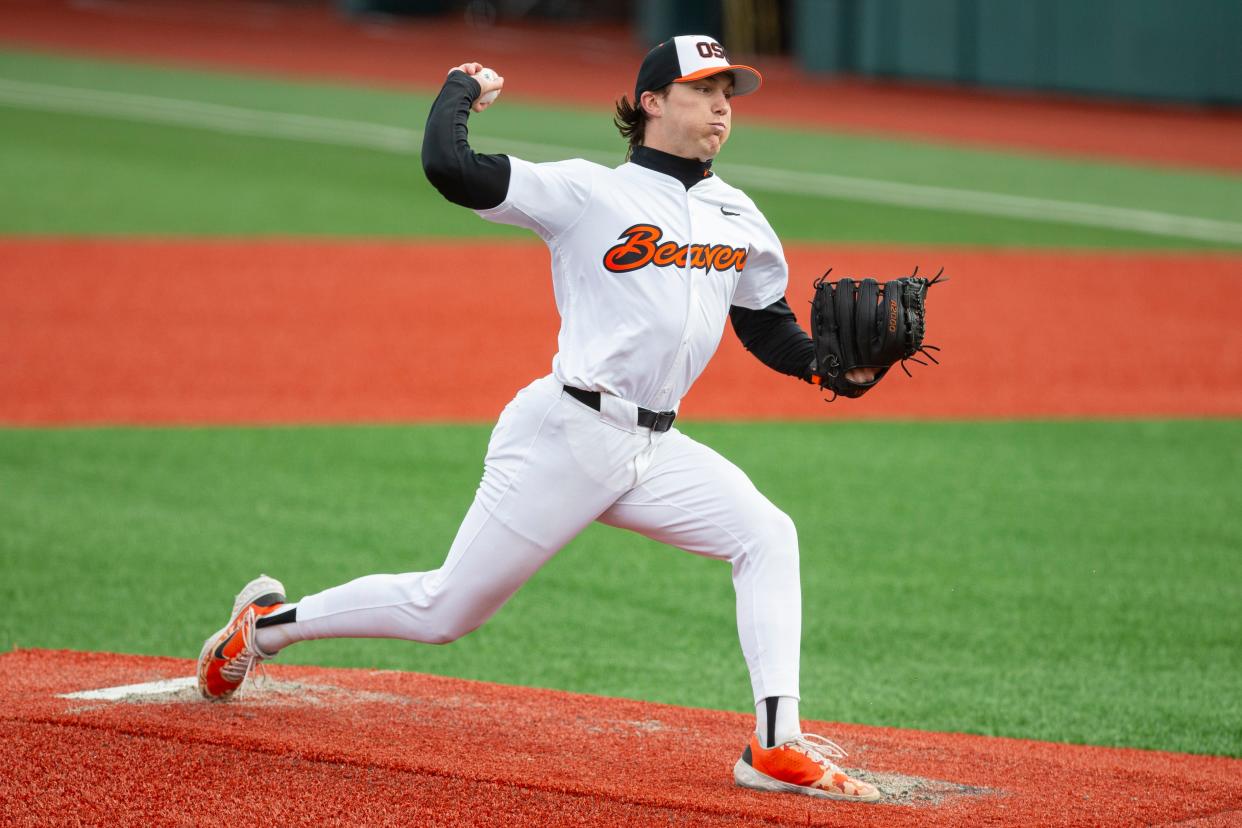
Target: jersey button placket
column 679, row 362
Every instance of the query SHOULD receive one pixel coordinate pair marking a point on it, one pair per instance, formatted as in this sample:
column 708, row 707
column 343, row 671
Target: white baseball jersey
column 643, row 270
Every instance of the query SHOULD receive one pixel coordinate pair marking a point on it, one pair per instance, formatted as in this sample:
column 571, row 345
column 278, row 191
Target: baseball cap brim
column 746, row 79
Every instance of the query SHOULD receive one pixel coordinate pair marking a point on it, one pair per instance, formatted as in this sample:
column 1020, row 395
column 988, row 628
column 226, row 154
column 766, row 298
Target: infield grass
column 1067, row 581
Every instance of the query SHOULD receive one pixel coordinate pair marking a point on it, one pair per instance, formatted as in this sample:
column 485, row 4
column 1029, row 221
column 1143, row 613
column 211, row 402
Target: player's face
column 698, row 116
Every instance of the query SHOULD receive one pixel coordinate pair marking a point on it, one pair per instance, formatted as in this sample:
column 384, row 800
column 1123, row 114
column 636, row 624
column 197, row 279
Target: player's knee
column 447, row 628
column 775, row 535
column 442, row 636
column 450, row 625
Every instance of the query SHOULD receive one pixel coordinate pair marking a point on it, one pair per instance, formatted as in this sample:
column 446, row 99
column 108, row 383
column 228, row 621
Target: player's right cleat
column 228, row 656
column 802, row 765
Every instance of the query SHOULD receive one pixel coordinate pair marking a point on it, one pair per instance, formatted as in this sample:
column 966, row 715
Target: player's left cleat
column 803, row 766
column 228, row 656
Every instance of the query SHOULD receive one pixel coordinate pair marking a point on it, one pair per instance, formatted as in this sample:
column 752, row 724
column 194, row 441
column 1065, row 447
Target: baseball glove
column 863, row 324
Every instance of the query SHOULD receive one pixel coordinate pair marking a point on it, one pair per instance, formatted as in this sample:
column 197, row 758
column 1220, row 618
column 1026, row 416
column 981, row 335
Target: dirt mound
column 329, row 745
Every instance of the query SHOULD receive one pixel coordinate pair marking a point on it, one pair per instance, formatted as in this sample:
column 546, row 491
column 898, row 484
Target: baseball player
column 648, row 260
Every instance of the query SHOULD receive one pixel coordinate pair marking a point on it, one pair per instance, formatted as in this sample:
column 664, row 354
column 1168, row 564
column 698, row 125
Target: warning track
column 332, row 746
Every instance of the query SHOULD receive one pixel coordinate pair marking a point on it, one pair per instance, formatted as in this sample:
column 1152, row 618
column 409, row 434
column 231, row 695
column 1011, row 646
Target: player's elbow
column 443, row 173
column 478, row 182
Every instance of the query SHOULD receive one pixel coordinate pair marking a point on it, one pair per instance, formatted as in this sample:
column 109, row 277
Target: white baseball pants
column 554, row 465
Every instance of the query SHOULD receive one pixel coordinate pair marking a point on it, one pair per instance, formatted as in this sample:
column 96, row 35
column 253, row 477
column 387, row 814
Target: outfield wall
column 1147, row 49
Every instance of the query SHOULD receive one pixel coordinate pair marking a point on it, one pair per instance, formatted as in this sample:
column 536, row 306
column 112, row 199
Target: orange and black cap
column 689, row 57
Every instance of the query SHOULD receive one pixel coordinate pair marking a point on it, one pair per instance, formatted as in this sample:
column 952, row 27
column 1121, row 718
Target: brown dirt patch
column 429, row 750
column 109, row 331
column 594, row 66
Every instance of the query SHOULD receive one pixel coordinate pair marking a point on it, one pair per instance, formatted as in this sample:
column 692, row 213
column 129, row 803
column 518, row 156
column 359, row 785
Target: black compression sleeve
column 775, row 337
column 460, row 174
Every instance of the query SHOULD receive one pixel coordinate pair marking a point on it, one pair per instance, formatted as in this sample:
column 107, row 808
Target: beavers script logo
column 641, row 246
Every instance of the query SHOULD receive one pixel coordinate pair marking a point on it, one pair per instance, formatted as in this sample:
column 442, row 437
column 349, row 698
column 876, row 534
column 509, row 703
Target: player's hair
column 631, row 120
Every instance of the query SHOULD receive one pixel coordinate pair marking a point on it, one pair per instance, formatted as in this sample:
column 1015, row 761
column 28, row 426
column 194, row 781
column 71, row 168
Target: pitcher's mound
column 111, row 738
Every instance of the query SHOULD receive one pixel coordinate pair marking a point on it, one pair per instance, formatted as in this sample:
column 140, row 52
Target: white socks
column 776, row 720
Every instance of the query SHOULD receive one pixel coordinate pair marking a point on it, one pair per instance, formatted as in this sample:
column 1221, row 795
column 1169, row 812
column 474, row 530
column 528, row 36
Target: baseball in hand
column 488, row 97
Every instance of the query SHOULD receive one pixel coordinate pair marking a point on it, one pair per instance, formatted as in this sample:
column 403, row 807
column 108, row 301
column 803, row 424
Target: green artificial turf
column 1055, row 580
column 112, row 173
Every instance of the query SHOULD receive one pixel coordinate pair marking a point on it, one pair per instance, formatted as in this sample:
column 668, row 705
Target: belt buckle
column 663, row 420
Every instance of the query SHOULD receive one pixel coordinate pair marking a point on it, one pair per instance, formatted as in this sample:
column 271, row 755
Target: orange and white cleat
column 803, row 766
column 228, row 656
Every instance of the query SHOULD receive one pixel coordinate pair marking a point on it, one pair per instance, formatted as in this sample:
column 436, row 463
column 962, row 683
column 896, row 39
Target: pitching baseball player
column 648, row 260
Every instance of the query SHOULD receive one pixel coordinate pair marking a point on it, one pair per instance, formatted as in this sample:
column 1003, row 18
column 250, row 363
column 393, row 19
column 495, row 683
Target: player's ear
column 651, row 104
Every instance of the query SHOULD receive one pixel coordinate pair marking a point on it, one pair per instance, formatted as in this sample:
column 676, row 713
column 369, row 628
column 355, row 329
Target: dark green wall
column 658, row 20
column 1187, row 50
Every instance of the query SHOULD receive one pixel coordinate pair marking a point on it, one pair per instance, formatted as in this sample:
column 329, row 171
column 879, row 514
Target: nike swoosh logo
column 726, row 212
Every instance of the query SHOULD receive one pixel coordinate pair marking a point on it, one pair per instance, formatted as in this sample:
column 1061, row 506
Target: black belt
column 654, row 420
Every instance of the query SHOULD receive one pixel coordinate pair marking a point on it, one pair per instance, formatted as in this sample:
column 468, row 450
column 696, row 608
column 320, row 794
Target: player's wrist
column 458, row 77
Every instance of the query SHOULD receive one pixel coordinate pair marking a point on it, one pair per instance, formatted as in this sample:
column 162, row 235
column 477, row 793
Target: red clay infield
column 331, row 746
column 122, row 331
column 593, row 66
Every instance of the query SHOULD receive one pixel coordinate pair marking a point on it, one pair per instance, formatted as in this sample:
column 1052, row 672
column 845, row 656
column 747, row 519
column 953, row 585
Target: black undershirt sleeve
column 462, row 175
column 774, row 336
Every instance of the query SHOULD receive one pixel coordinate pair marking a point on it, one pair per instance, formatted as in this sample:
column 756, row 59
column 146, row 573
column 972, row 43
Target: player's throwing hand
column 489, row 82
